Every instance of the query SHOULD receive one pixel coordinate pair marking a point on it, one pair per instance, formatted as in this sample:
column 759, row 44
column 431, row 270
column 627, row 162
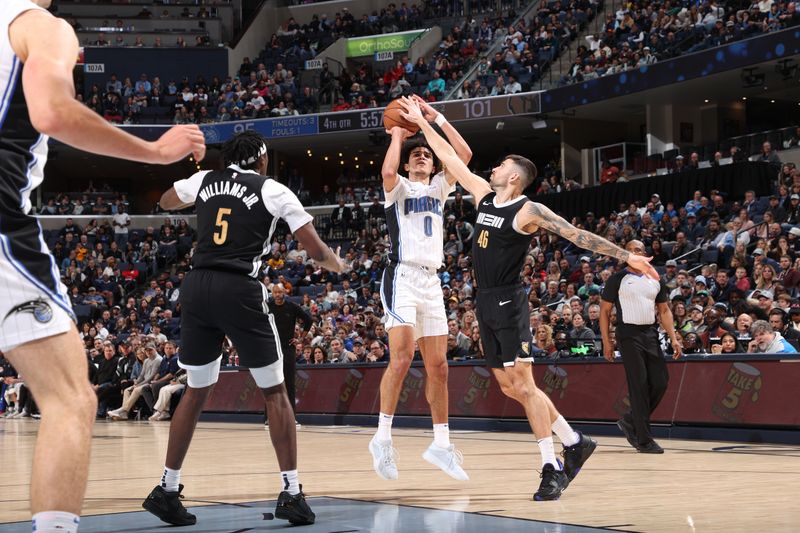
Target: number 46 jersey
column 498, row 246
column 414, row 220
column 237, row 211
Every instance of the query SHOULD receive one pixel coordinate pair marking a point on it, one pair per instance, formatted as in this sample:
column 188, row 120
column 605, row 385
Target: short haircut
column 526, row 167
column 760, row 326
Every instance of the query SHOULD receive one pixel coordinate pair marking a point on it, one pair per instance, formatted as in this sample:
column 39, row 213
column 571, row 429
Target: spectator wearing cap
column 670, row 274
column 696, row 321
column 778, row 319
column 359, row 350
column 765, row 340
column 764, row 299
column 167, row 371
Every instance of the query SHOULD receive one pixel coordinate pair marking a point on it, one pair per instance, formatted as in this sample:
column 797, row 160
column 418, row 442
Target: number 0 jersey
column 237, row 211
column 498, row 247
column 415, row 223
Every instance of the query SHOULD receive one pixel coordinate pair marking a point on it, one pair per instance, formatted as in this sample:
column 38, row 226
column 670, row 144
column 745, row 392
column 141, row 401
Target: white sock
column 548, row 452
column 290, row 482
column 55, row 522
column 567, row 435
column 171, row 479
column 441, row 435
column 384, row 427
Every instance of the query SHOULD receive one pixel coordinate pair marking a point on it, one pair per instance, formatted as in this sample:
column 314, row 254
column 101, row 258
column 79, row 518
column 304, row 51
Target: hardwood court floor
column 694, row 486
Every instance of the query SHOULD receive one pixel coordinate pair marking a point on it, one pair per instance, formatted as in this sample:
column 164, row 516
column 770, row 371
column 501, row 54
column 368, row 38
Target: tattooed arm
column 534, row 215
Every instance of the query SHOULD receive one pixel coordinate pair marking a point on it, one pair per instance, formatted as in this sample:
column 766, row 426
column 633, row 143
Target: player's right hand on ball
column 179, row 142
column 397, row 131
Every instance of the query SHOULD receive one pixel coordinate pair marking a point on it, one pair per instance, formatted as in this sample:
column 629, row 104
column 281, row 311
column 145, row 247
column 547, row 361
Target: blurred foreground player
column 237, row 211
column 504, row 225
column 37, row 332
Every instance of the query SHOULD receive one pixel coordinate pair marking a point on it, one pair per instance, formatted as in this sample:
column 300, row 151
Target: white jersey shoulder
column 414, row 215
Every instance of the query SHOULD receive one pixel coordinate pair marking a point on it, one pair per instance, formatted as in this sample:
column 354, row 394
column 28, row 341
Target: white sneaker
column 448, row 459
column 119, row 415
column 22, row 414
column 164, row 416
column 155, row 416
column 383, row 458
column 297, row 424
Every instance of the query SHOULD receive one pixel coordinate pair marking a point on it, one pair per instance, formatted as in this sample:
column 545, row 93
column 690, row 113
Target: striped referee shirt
column 635, row 296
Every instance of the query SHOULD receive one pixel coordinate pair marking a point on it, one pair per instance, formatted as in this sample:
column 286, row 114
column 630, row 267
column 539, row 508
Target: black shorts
column 505, row 326
column 215, row 304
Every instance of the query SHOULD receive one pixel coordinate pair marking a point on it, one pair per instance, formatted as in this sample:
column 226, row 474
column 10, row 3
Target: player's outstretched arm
column 318, row 250
column 535, row 215
column 391, row 161
column 462, row 149
column 477, row 186
column 48, row 48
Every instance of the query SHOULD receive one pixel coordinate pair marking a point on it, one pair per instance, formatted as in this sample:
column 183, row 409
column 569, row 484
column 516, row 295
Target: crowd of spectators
column 732, row 266
column 641, row 33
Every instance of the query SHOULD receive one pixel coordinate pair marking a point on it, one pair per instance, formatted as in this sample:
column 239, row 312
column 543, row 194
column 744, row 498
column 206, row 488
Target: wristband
column 440, row 120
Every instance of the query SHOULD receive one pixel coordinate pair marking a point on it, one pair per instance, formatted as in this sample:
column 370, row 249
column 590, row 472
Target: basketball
column 393, row 118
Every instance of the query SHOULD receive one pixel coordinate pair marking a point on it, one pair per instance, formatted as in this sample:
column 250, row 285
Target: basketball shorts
column 216, row 304
column 33, row 301
column 412, row 296
column 505, row 326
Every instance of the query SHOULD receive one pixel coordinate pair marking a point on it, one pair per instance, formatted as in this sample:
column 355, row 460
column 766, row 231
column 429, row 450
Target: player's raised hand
column 641, row 263
column 397, row 131
column 411, row 110
column 178, row 142
column 428, row 111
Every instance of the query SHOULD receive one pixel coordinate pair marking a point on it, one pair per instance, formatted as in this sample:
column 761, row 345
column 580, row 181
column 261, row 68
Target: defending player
column 506, row 220
column 411, row 291
column 237, row 210
column 37, row 332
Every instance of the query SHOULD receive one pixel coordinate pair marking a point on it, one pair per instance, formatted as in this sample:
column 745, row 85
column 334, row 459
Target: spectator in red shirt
column 608, row 173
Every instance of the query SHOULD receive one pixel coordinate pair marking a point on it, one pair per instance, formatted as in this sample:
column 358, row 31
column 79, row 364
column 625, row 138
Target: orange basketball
column 392, row 118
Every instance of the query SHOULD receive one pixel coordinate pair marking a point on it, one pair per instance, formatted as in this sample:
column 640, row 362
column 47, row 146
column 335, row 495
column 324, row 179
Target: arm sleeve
column 611, row 290
column 282, row 203
column 399, row 193
column 663, row 294
column 187, row 189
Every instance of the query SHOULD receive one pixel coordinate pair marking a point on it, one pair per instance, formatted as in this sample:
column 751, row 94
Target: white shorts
column 412, row 296
column 33, row 301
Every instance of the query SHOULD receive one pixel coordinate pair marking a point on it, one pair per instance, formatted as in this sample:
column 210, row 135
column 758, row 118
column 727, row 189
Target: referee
column 286, row 315
column 638, row 299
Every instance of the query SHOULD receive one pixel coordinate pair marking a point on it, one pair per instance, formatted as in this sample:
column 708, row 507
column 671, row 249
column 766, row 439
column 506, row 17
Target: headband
column 261, row 151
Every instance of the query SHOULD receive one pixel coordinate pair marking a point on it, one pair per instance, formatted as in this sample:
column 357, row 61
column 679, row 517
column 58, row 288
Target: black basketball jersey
column 498, row 248
column 237, row 211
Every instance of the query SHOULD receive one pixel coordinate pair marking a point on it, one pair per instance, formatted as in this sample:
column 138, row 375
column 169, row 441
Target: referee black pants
column 646, row 372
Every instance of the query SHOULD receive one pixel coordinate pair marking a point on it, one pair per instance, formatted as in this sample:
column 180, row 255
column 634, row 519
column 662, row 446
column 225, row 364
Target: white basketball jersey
column 415, row 222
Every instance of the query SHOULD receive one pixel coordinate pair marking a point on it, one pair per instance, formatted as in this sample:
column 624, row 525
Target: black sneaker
column 294, row 509
column 168, row 507
column 650, row 447
column 554, row 482
column 629, row 431
column 577, row 454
